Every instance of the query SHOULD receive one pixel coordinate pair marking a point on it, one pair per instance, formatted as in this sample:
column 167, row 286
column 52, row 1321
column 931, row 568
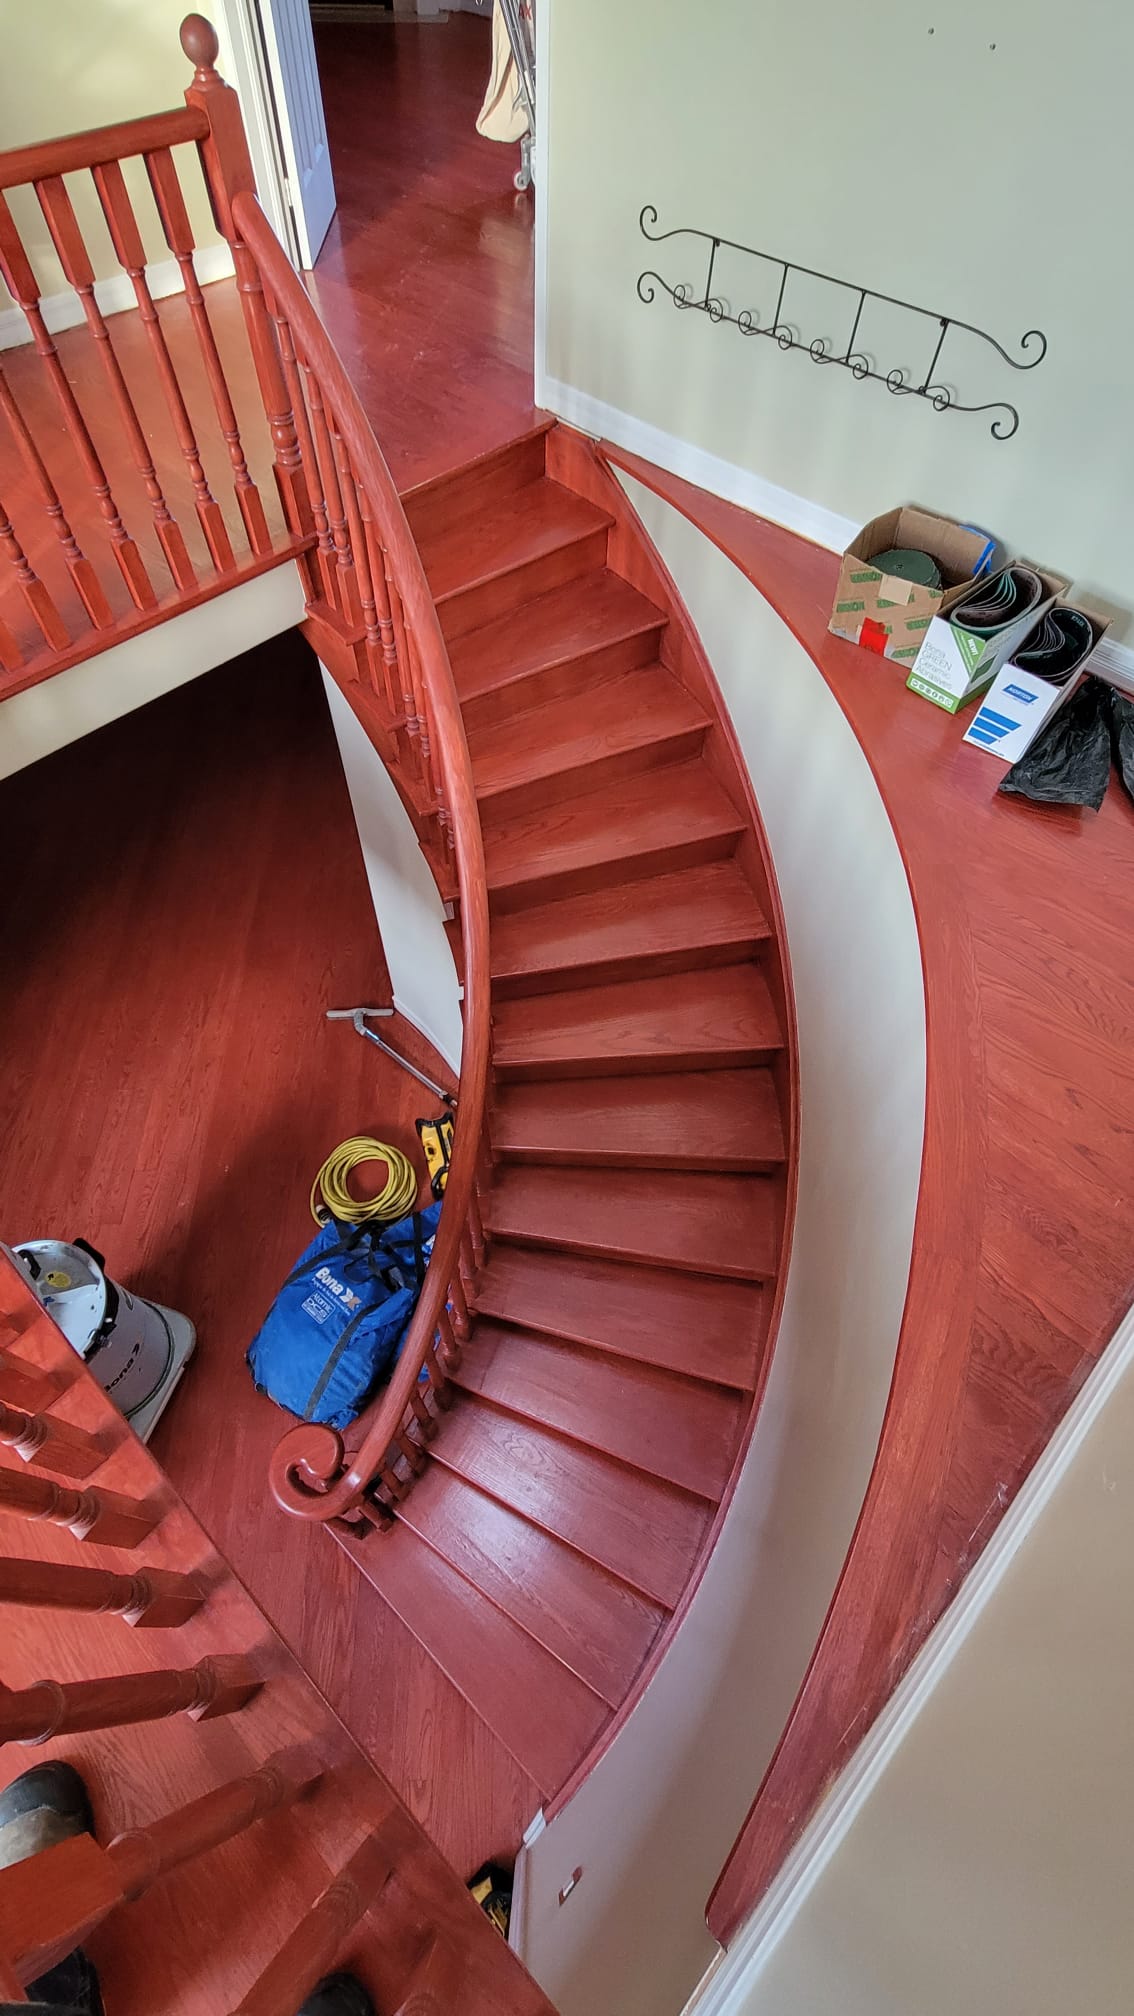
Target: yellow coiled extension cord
column 331, row 1193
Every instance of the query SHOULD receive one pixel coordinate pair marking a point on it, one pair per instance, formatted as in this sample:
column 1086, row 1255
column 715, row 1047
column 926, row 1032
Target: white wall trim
column 541, row 156
column 65, row 310
column 732, row 1976
column 683, row 458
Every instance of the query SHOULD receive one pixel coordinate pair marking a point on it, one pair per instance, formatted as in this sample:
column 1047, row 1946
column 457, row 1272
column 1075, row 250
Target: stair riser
column 639, row 966
column 558, row 785
column 641, row 1255
column 629, row 1158
column 555, row 682
column 580, row 880
column 628, row 1063
column 467, row 608
column 449, row 501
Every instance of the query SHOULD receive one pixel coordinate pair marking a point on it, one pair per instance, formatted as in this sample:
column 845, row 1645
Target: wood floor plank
column 701, row 1223
column 714, row 1019
column 541, row 1712
column 590, row 1621
column 702, row 916
column 706, row 1329
column 677, row 1429
column 696, row 1120
column 645, row 1531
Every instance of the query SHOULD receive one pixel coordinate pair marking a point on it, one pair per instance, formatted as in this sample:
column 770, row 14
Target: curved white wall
column 654, row 1822
column 406, row 904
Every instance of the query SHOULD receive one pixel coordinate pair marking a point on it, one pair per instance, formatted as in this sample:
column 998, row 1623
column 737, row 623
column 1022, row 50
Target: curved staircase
column 641, row 1125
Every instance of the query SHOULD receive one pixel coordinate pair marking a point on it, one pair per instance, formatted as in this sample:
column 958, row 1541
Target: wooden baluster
column 21, row 284
column 426, row 1421
column 345, row 597
column 87, row 584
column 460, row 1309
column 476, row 1232
column 405, row 667
column 154, row 1597
column 438, row 1379
column 102, row 1516
column 164, row 182
column 357, row 535
column 228, row 172
column 450, row 1349
column 63, row 225
column 466, row 1261
column 429, row 751
column 130, row 252
column 33, row 590
column 389, row 660
column 53, row 1901
column 314, row 1946
column 25, row 1385
column 53, row 1444
column 325, row 551
column 66, row 1708
column 412, row 1451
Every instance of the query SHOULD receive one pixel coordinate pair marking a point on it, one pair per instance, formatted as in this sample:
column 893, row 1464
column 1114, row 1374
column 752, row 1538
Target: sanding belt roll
column 998, row 602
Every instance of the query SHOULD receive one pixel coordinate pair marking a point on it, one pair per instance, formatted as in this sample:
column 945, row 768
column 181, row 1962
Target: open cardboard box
column 954, row 663
column 1018, row 702
column 890, row 616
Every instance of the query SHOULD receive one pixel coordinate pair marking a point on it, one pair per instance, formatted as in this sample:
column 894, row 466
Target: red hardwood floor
column 186, row 893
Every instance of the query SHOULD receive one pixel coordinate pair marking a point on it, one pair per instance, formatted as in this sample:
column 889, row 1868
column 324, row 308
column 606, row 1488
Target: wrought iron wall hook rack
column 820, row 348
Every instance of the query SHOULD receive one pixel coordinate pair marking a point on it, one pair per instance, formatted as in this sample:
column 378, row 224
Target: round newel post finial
column 199, row 41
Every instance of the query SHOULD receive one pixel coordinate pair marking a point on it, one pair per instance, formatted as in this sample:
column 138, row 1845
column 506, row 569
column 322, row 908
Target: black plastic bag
column 1069, row 761
column 1122, row 735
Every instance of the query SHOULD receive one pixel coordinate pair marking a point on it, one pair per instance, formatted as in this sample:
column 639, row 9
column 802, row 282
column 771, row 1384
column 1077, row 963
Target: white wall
column 975, row 1856
column 966, row 158
column 88, row 695
column 406, row 903
column 653, row 1823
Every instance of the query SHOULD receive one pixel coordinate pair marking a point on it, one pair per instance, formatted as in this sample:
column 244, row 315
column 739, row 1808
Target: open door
column 297, row 107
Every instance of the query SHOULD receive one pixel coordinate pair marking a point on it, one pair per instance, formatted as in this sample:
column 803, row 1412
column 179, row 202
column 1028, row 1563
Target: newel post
column 228, row 172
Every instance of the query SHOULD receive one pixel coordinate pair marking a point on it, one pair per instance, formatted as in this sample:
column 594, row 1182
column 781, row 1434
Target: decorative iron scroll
column 820, row 349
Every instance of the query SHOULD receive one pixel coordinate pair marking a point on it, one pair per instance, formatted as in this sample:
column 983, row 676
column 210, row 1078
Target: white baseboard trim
column 65, row 310
column 725, row 1989
column 696, row 465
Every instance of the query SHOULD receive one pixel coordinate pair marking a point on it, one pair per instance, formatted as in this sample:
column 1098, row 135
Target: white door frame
column 242, row 65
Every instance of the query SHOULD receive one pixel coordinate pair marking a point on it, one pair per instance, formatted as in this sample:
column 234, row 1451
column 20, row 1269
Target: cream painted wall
column 88, row 695
column 70, row 64
column 980, row 169
column 988, row 1870
column 652, row 1824
column 406, row 903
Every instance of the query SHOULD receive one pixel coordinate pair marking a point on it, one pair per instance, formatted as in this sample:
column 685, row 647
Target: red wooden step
column 522, row 543
column 675, row 1428
column 561, row 642
column 700, row 1223
column 694, row 1324
column 705, row 916
column 644, row 1531
column 589, row 1620
column 445, row 502
column 685, row 1022
column 703, row 1120
column 542, row 1713
column 631, row 723
column 644, row 826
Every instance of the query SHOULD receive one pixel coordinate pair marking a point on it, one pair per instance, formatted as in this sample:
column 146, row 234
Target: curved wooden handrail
column 311, row 1475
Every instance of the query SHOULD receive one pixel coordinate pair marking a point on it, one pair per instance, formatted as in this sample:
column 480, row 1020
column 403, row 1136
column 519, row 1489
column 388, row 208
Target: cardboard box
column 1014, row 710
column 954, row 663
column 890, row 616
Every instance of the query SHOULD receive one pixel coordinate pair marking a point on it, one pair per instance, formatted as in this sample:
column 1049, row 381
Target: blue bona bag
column 335, row 1329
